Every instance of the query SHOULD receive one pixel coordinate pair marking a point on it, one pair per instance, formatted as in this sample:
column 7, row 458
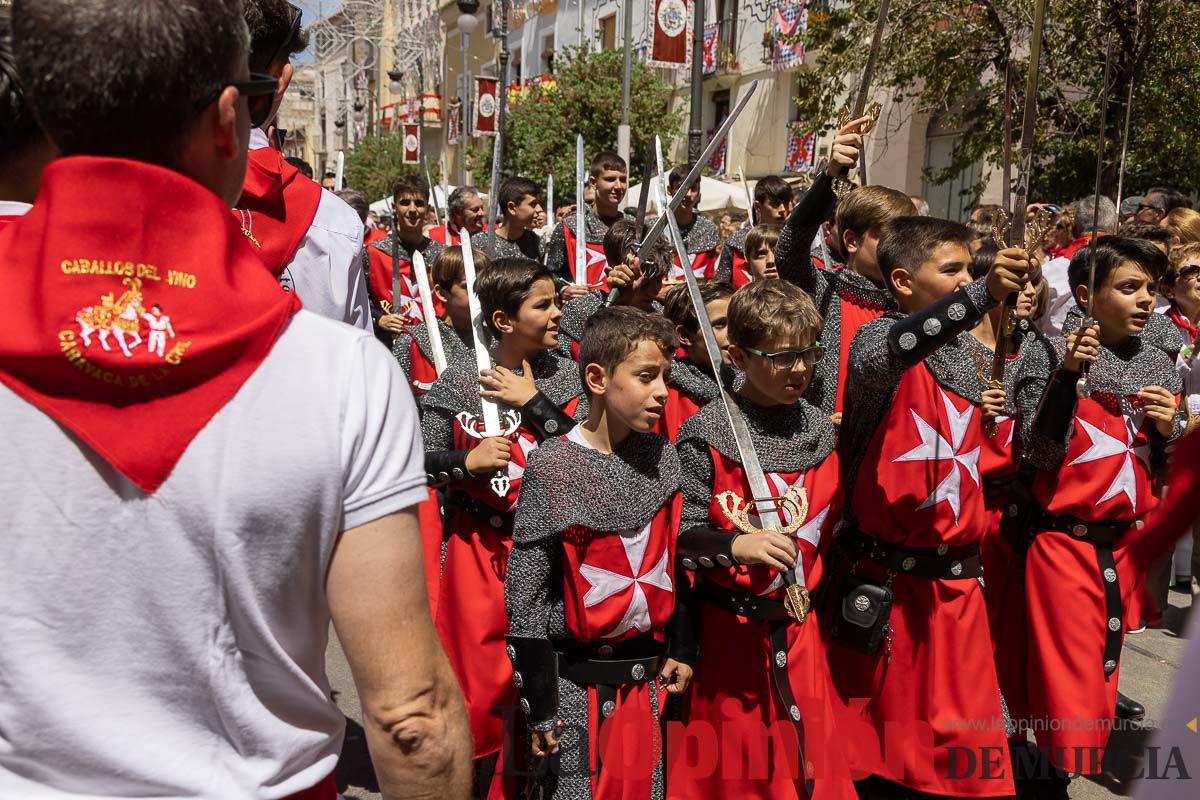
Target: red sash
column 85, row 342
column 277, row 207
column 1173, row 313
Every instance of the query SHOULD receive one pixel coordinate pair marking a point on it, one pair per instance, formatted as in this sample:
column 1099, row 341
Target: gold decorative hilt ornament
column 842, row 187
column 795, row 501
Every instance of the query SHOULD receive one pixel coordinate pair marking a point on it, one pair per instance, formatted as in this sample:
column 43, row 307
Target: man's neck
column 511, row 229
column 606, row 212
column 684, row 216
column 1193, row 316
column 411, row 237
column 511, row 353
column 986, row 331
column 857, row 267
column 757, row 397
column 602, row 430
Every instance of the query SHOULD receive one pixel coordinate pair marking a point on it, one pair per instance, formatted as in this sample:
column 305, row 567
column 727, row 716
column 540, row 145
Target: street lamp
column 395, row 76
column 467, row 23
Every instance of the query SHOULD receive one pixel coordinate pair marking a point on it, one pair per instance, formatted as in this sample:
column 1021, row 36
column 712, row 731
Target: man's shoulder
column 737, row 239
column 335, row 216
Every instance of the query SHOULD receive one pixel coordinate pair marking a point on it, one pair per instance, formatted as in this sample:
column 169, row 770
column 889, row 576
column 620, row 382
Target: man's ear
column 502, row 323
column 224, row 121
column 901, row 280
column 851, row 242
column 1166, row 290
column 685, row 338
column 440, row 293
column 1081, row 295
column 738, row 356
column 595, row 377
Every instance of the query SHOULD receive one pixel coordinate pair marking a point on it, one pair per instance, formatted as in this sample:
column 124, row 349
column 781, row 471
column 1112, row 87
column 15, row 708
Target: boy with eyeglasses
column 308, row 238
column 908, row 548
column 758, row 669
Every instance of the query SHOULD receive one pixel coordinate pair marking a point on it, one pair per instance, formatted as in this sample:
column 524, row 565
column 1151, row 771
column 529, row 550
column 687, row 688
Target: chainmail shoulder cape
column 528, row 245
column 457, row 389
column 428, row 248
column 787, row 438
column 556, row 251
column 567, row 485
column 694, row 379
column 736, row 241
column 700, row 235
column 458, row 345
column 1159, row 331
column 576, row 313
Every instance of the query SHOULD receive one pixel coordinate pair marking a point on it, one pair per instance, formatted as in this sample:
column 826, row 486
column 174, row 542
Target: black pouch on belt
column 862, row 621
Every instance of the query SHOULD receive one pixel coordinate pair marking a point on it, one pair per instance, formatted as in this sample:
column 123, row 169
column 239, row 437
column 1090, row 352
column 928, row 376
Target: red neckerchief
column 1181, row 322
column 277, row 207
column 81, row 274
column 1070, row 250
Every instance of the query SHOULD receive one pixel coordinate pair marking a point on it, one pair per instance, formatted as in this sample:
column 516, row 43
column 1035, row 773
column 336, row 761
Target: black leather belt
column 1100, row 535
column 500, row 520
column 752, row 606
column 939, row 563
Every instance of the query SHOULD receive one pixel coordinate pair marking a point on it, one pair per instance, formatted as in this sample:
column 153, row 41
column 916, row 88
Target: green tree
column 951, row 57
column 374, row 163
column 584, row 96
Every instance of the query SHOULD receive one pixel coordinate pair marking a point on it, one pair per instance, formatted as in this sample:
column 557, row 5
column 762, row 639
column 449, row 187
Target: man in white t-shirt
column 182, row 527
column 310, row 239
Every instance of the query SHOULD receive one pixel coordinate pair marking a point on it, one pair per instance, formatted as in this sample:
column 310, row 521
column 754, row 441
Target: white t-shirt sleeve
column 327, row 268
column 383, row 456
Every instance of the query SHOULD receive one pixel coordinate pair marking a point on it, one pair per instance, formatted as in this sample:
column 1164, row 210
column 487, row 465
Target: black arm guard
column 1056, row 409
column 704, row 547
column 443, row 467
column 545, row 418
column 805, row 220
column 535, row 673
column 915, row 337
column 683, row 640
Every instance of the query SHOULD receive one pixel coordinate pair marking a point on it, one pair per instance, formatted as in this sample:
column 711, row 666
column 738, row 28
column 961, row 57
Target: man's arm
column 412, row 707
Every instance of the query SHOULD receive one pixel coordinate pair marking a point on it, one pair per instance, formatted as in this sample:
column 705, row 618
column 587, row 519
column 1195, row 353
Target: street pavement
column 1150, row 664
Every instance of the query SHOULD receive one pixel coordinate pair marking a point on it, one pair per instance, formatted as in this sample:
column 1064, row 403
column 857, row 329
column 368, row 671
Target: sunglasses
column 1189, row 273
column 258, row 86
column 786, row 359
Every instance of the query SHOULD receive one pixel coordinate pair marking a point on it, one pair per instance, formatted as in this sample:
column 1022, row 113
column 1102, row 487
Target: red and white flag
column 412, row 144
column 453, row 124
column 485, row 106
column 670, row 33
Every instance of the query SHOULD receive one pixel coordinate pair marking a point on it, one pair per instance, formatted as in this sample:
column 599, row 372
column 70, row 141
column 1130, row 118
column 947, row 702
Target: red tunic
column 739, row 269
column 379, row 279
column 597, row 263
column 933, row 688
column 677, row 410
column 738, row 740
column 853, row 313
column 618, row 585
column 1105, row 476
column 471, row 621
column 704, row 265
column 421, row 372
column 443, row 234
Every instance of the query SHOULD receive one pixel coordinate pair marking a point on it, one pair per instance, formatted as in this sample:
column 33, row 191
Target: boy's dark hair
column 301, row 165
column 906, row 242
column 356, row 200
column 678, row 173
column 982, row 258
column 18, row 128
column 504, row 286
column 871, row 206
column 611, row 334
column 410, row 184
column 1149, row 233
column 514, row 190
column 773, row 188
column 760, row 235
column 272, row 41
column 126, row 80
column 618, row 241
column 678, row 306
column 762, row 310
column 1111, row 252
column 563, row 202
column 608, row 161
column 447, row 269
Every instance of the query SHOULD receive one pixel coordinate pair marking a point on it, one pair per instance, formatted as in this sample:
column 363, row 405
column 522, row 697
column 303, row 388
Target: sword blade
column 549, row 200
column 864, row 86
column 639, row 222
column 491, row 413
column 660, row 224
column 494, row 199
column 580, row 216
column 746, row 191
column 431, row 322
column 433, row 198
column 1028, row 126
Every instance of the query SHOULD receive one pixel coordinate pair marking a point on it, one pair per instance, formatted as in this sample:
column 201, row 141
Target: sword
column 746, row 191
column 491, row 412
column 549, row 200
column 669, row 210
column 437, row 211
column 431, row 323
column 580, row 216
column 764, row 502
column 1137, row 28
column 1016, row 234
column 341, row 171
column 864, row 86
column 494, row 200
column 1082, row 386
column 1006, row 165
column 639, row 222
column 395, row 271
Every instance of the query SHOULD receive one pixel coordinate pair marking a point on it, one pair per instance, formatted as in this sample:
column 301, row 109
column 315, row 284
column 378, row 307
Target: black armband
column 915, row 337
column 1056, row 409
column 443, row 467
column 705, row 547
column 535, row 673
column 683, row 640
column 545, row 418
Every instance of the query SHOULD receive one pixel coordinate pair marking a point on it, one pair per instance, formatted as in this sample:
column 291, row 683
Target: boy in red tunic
column 691, row 383
column 922, row 680
column 609, row 179
column 537, row 391
column 772, row 204
column 701, row 239
column 761, row 685
column 590, row 586
column 1096, row 459
column 409, row 200
column 515, row 235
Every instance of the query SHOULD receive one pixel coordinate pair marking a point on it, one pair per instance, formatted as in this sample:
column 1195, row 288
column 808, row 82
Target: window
column 949, row 200
column 608, row 32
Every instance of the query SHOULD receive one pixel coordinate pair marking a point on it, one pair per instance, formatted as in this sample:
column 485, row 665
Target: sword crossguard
column 737, row 510
column 1001, row 225
column 1035, row 231
column 797, row 602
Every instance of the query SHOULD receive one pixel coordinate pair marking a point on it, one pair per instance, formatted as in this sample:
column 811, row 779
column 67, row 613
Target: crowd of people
column 555, row 573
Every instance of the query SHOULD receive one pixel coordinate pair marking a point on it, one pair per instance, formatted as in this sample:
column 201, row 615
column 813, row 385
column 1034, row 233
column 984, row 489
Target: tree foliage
column 951, row 58
column 374, row 163
column 583, row 97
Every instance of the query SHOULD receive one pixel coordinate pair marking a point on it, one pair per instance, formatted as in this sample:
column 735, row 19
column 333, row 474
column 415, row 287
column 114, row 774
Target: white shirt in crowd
column 172, row 645
column 327, row 272
column 12, row 208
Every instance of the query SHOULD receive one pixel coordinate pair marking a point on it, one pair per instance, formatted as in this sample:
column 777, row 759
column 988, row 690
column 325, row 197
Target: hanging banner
column 454, row 124
column 412, row 144
column 791, row 21
column 670, row 34
column 712, row 35
column 717, row 162
column 801, row 149
column 485, row 106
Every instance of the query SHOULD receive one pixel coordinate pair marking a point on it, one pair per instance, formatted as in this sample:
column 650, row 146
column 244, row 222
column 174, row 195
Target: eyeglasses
column 1144, row 207
column 259, row 85
column 1189, row 273
column 786, row 359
